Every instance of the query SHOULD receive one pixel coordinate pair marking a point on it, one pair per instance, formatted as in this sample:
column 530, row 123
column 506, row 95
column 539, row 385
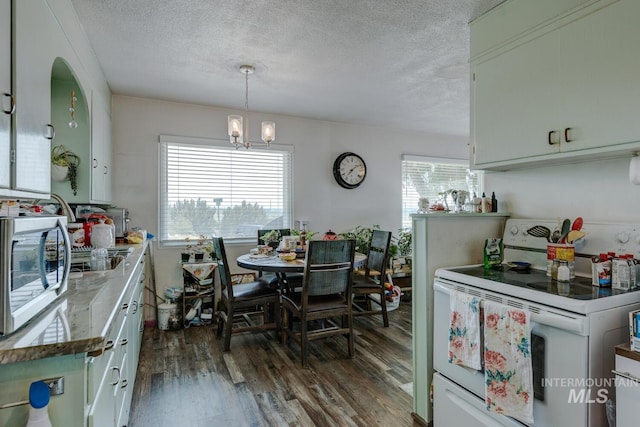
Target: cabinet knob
column 94, row 163
column 124, row 341
column 117, row 371
column 567, row 135
column 12, row 104
column 109, row 345
column 554, row 137
column 51, row 132
column 106, row 170
column 124, row 384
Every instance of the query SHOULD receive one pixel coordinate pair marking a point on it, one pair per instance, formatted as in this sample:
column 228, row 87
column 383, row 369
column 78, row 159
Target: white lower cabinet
column 111, row 375
column 627, row 391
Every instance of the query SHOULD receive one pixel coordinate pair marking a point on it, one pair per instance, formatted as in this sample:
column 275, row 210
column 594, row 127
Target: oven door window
column 37, row 263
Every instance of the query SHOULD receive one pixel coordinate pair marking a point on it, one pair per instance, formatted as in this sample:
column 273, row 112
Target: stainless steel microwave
column 35, row 256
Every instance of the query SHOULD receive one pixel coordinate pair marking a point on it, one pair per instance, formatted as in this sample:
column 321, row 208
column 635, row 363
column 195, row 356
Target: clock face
column 349, row 170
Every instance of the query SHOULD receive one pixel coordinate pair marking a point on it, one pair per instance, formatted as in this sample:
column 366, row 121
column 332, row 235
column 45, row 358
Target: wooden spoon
column 575, row 235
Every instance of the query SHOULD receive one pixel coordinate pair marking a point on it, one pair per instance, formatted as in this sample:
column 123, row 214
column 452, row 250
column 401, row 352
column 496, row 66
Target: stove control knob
column 622, row 237
column 513, row 230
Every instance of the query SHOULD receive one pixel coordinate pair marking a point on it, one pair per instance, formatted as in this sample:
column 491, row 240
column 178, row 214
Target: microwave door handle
column 67, row 251
column 41, row 258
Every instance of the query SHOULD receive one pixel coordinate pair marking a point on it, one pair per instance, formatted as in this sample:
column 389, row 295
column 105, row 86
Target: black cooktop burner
column 578, row 288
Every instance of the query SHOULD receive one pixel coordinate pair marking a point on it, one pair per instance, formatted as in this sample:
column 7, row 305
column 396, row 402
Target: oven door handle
column 626, row 375
column 550, row 319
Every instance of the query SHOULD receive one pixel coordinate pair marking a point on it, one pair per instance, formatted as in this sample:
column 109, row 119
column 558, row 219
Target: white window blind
column 427, row 176
column 210, row 188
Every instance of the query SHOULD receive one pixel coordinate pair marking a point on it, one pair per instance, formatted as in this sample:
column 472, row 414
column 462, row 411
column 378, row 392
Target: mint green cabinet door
column 515, row 103
column 36, row 35
column 5, row 93
column 101, row 171
column 600, row 66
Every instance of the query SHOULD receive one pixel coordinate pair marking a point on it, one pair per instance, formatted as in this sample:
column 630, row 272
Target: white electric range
column 574, row 328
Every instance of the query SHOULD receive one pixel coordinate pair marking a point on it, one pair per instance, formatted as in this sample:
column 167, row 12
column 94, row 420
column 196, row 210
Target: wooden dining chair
column 293, row 279
column 238, row 300
column 325, row 295
column 371, row 283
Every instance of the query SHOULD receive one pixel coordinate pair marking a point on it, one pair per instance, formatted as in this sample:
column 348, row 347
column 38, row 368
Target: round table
column 273, row 264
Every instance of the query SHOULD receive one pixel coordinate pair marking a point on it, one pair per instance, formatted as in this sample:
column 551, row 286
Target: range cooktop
column 578, row 288
column 577, row 295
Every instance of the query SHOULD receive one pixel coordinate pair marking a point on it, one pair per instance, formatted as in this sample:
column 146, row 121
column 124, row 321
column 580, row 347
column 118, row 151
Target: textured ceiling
column 395, row 63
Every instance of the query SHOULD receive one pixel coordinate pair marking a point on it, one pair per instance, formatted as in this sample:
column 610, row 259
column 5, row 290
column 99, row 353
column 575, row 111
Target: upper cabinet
column 6, row 93
column 561, row 88
column 36, row 43
column 49, row 77
column 101, row 172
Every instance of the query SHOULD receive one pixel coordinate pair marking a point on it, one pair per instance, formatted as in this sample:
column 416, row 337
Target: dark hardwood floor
column 184, row 378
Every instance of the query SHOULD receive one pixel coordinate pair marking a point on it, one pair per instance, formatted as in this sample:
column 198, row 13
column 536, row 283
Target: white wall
column 597, row 191
column 138, row 122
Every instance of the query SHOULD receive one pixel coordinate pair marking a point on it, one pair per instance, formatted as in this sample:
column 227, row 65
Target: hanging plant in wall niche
column 64, row 166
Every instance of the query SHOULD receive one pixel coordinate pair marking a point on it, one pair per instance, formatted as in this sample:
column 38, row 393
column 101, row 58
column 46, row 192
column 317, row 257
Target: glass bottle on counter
column 563, row 273
column 554, row 269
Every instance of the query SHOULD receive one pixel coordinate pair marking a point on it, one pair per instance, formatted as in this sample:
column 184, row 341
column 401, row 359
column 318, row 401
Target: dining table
column 271, row 263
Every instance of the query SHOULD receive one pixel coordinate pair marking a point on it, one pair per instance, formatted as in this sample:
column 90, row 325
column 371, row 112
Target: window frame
column 440, row 160
column 164, row 140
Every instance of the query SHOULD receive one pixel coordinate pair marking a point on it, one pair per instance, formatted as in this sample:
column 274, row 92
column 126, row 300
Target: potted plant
column 404, row 242
column 271, row 238
column 64, row 166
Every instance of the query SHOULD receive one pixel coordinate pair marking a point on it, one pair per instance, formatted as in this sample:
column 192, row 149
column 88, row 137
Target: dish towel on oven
column 507, row 361
column 464, row 330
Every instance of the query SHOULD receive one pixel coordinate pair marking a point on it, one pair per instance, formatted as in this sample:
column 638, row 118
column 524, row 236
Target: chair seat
column 318, row 303
column 365, row 283
column 248, row 291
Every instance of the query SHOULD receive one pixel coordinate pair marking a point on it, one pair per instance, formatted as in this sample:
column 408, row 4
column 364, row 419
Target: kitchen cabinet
column 5, row 93
column 111, row 374
column 36, row 40
column 627, row 368
column 91, row 338
column 101, row 171
column 563, row 90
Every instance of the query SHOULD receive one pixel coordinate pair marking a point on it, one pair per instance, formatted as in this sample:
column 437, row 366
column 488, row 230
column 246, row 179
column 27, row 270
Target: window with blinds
column 210, row 188
column 429, row 177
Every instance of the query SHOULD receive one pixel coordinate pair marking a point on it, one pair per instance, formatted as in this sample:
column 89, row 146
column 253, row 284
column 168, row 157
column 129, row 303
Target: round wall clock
column 349, row 170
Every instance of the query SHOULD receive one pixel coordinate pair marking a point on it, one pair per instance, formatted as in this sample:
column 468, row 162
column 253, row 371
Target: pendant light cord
column 247, row 144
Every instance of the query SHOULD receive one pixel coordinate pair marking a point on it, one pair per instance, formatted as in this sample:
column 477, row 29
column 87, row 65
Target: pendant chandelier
column 239, row 125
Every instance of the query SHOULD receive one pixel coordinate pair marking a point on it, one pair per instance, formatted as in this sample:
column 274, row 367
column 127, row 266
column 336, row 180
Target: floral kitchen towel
column 464, row 330
column 507, row 361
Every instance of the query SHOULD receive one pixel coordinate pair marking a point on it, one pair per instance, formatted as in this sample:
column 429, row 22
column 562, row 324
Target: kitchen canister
column 103, row 235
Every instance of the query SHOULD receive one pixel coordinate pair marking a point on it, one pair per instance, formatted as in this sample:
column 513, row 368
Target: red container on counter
column 87, row 226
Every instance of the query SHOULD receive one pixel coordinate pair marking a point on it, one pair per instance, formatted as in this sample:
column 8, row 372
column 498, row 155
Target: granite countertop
column 77, row 322
column 625, row 350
